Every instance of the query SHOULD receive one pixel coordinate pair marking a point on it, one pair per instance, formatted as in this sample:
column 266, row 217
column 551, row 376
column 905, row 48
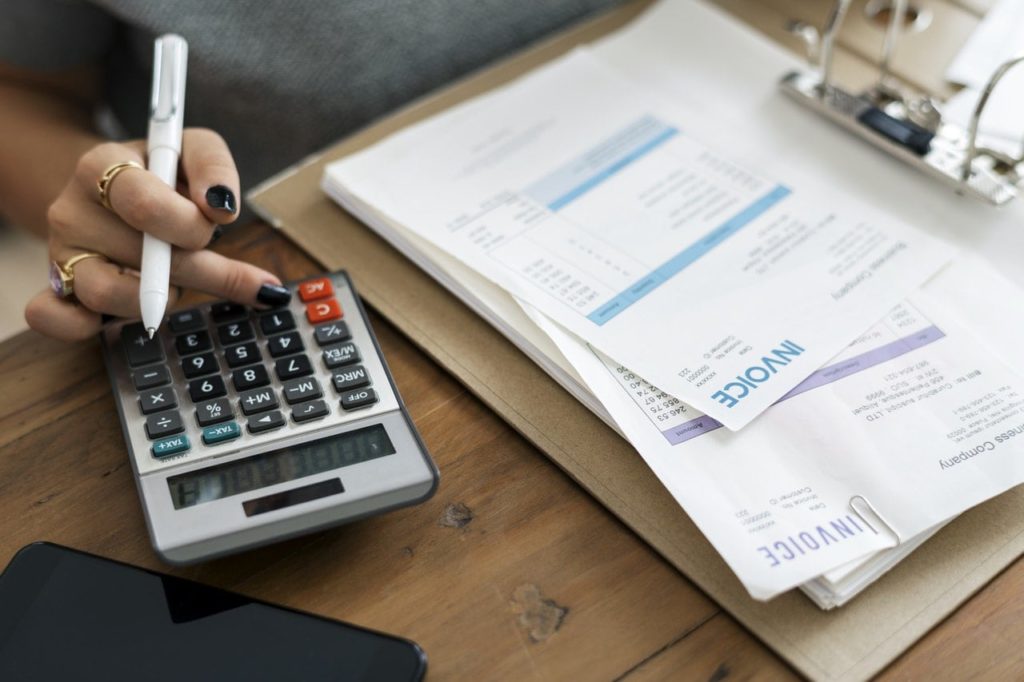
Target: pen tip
column 151, row 330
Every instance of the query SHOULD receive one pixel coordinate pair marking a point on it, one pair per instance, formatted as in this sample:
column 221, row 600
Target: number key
column 198, row 365
column 250, row 377
column 196, row 342
column 283, row 344
column 295, row 366
column 280, row 321
column 204, row 389
column 242, row 354
column 236, row 332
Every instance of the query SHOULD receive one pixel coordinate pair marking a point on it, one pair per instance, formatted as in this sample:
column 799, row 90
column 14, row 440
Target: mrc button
column 353, row 377
column 362, row 397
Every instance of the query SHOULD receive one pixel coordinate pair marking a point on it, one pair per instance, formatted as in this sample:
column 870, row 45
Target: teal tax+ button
column 170, row 446
column 221, row 432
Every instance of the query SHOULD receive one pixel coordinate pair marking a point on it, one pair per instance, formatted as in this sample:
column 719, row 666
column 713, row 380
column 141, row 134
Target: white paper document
column 726, row 285
column 920, row 418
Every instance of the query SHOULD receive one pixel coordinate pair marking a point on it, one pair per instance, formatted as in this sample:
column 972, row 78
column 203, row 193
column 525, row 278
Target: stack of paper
column 806, row 374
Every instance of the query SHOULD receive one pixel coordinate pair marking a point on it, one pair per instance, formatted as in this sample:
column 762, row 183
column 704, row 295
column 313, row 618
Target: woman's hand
column 79, row 223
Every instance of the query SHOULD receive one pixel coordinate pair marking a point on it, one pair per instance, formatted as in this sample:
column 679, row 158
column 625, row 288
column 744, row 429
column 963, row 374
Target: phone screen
column 69, row 615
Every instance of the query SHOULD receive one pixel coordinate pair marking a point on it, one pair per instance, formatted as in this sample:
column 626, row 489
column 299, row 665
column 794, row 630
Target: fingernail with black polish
column 221, row 198
column 217, row 233
column 273, row 294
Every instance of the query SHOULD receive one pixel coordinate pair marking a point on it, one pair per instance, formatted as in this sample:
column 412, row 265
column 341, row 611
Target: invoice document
column 724, row 284
column 920, row 418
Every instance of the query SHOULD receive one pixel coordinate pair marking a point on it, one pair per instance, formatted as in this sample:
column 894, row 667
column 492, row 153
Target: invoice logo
column 735, row 391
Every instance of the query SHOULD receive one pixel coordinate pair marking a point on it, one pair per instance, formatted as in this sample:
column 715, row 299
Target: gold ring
column 62, row 276
column 103, row 184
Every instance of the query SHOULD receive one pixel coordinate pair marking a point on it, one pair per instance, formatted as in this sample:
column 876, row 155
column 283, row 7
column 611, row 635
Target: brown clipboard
column 848, row 643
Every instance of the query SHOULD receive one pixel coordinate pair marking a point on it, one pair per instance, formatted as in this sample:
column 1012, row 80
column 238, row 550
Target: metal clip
column 874, row 512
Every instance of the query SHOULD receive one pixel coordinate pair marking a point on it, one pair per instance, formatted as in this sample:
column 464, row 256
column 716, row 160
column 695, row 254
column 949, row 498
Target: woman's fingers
column 142, row 200
column 211, row 174
column 226, row 278
column 61, row 319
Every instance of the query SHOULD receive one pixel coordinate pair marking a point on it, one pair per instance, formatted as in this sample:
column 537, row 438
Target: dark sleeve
column 53, row 34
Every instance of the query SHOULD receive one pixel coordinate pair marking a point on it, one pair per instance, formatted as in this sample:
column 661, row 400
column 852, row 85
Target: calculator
column 246, row 427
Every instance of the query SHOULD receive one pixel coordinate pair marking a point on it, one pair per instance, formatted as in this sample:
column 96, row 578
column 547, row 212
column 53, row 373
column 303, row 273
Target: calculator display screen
column 279, row 466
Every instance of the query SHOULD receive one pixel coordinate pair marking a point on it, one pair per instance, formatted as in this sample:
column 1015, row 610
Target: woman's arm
column 47, row 125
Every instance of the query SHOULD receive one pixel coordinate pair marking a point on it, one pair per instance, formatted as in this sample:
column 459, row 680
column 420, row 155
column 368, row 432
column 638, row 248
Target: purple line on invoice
column 825, row 375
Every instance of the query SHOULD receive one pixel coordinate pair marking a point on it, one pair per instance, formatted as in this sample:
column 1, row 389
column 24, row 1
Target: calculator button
column 299, row 390
column 198, row 365
column 353, row 400
column 250, row 377
column 213, row 411
column 170, row 446
column 309, row 411
column 266, row 422
column 150, row 377
column 280, row 321
column 163, row 424
column 320, row 311
column 332, row 332
column 242, row 354
column 206, row 388
column 186, row 321
column 235, row 332
column 353, row 377
column 196, row 342
column 221, row 433
column 342, row 354
column 157, row 399
column 315, row 289
column 291, row 367
column 257, row 400
column 227, row 312
column 140, row 349
column 284, row 344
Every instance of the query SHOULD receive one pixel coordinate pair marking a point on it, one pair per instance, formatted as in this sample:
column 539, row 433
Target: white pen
column 163, row 148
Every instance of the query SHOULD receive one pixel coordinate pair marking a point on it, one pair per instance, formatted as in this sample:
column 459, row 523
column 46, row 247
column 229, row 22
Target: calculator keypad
column 291, row 367
column 248, row 373
column 284, row 344
column 196, row 342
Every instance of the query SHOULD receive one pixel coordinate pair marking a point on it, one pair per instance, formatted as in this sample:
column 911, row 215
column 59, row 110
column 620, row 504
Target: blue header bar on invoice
column 574, row 179
column 686, row 257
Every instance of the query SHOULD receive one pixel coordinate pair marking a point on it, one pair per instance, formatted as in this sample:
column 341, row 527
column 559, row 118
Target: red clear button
column 320, row 311
column 316, row 289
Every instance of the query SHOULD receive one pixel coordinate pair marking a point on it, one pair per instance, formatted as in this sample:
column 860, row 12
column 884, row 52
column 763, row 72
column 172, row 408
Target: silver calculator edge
column 205, row 553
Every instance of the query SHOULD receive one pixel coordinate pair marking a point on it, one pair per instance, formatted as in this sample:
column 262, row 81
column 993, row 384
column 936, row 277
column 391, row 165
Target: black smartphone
column 69, row 615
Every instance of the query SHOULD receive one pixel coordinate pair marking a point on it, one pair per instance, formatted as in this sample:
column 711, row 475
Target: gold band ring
column 62, row 275
column 107, row 179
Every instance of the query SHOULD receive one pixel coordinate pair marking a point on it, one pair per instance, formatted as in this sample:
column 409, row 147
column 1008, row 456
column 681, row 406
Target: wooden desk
column 510, row 572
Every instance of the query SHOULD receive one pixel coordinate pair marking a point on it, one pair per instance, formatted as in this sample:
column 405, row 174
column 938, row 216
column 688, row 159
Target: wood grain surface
column 510, row 572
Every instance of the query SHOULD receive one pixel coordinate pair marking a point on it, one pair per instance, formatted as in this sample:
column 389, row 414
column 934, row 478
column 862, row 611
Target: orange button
column 319, row 311
column 316, row 288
